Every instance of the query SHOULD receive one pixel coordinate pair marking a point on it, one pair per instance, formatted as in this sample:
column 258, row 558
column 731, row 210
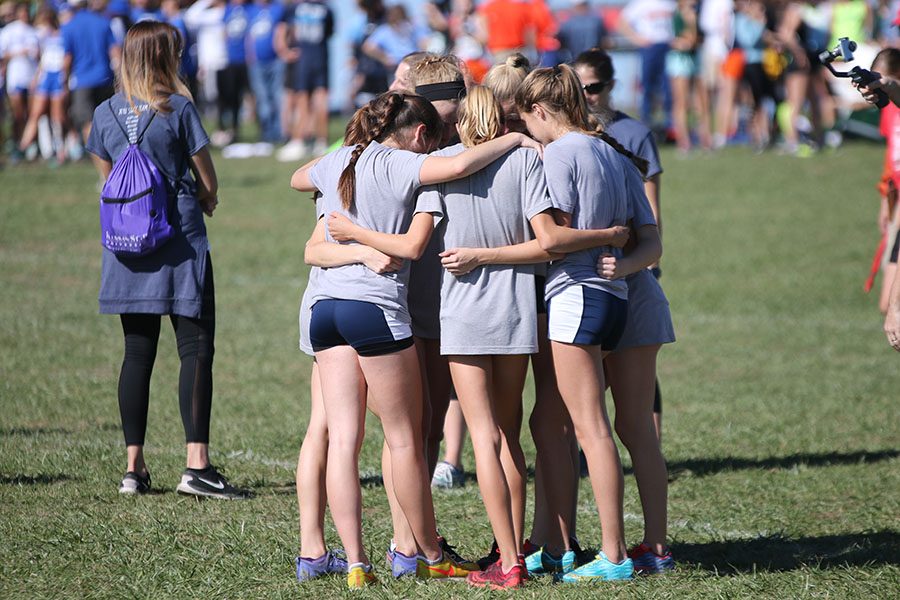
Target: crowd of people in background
column 712, row 72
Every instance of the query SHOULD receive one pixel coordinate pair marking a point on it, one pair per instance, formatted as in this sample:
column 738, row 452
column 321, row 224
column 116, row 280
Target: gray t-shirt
column 585, row 178
column 636, row 137
column 491, row 310
column 386, row 200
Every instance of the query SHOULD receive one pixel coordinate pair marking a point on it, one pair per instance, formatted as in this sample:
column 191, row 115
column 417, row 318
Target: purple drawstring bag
column 134, row 202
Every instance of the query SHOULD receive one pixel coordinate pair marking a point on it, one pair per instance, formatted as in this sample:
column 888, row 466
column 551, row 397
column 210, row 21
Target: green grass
column 781, row 421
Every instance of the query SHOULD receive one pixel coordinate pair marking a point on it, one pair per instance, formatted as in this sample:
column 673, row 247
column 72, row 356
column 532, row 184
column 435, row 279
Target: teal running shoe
column 543, row 563
column 601, row 569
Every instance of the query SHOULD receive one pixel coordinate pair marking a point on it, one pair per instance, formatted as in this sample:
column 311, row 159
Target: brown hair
column 505, row 78
column 480, row 117
column 149, row 69
column 558, row 90
column 435, row 68
column 389, row 114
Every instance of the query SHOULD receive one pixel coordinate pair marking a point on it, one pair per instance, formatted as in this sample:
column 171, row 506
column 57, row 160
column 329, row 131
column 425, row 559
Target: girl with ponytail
column 373, row 184
column 590, row 186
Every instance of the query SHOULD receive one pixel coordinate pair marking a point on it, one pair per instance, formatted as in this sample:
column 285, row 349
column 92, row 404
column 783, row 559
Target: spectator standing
column 266, row 69
column 546, row 29
column 468, row 35
column 393, row 40
column 681, row 67
column 87, row 72
column 232, row 81
column 19, row 51
column 205, row 21
column 510, row 28
column 648, row 25
column 753, row 36
column 716, row 24
column 310, row 26
column 583, row 30
column 371, row 77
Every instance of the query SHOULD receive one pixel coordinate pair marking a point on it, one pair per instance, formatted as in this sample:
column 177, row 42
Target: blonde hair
column 559, row 91
column 480, row 117
column 505, row 78
column 149, row 69
column 435, row 68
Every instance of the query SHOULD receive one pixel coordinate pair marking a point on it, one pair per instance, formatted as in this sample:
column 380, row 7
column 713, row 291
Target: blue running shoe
column 332, row 561
column 601, row 569
column 648, row 562
column 401, row 564
column 542, row 563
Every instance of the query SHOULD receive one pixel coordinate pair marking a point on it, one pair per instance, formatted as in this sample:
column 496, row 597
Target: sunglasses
column 595, row 88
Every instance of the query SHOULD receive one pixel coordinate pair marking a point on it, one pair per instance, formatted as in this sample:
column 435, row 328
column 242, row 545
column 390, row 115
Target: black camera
column 861, row 77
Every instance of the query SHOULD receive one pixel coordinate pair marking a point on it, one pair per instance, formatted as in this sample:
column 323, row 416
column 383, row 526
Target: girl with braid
column 374, row 184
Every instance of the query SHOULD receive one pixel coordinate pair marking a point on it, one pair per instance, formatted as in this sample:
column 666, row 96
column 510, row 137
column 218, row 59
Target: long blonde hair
column 559, row 91
column 149, row 69
column 480, row 117
column 505, row 78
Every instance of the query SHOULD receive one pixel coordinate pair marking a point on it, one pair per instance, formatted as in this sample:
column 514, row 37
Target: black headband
column 448, row 90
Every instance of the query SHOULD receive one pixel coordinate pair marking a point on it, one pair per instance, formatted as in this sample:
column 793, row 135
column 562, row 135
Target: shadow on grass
column 40, row 479
column 700, row 467
column 777, row 553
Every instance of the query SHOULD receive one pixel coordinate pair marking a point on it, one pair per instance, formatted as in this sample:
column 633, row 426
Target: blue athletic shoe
column 601, row 569
column 542, row 562
column 330, row 562
column 401, row 564
column 648, row 562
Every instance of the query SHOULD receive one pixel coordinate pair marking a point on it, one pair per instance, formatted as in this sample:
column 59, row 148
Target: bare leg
column 473, row 379
column 887, row 279
column 701, row 108
column 301, row 116
column 632, row 379
column 725, row 109
column 136, row 459
column 197, row 455
column 508, row 382
column 454, row 435
column 404, row 540
column 796, row 86
column 680, row 92
column 436, row 388
column 343, row 394
column 38, row 108
column 320, row 114
column 556, row 462
column 311, row 467
column 397, row 400
column 579, row 375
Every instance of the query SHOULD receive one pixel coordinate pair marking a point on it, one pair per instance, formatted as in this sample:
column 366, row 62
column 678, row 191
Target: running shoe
column 209, row 483
column 360, row 575
column 440, row 569
column 492, row 557
column 401, row 565
column 601, row 569
column 134, row 483
column 332, row 561
column 451, row 553
column 648, row 562
column 447, row 476
column 494, row 577
column 543, row 563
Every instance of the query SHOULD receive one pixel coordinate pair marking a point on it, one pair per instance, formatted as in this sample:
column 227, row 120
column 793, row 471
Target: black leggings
column 195, row 349
column 231, row 82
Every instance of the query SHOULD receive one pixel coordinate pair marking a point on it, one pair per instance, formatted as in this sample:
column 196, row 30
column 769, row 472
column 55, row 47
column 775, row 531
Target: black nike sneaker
column 209, row 483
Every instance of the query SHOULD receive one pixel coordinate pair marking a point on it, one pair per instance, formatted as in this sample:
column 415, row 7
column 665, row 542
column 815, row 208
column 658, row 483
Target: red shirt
column 890, row 129
column 507, row 23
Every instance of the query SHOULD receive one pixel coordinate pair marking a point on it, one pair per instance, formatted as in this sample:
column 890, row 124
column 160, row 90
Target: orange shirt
column 545, row 26
column 507, row 22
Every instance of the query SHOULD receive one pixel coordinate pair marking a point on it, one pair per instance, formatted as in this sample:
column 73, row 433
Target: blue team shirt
column 312, row 23
column 189, row 55
column 262, row 31
column 87, row 37
column 237, row 23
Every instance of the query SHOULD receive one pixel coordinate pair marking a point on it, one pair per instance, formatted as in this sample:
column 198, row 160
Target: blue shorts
column 362, row 325
column 587, row 316
column 50, row 85
column 308, row 74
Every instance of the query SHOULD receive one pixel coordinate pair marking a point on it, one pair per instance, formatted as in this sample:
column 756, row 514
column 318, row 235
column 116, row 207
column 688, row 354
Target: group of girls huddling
column 449, row 239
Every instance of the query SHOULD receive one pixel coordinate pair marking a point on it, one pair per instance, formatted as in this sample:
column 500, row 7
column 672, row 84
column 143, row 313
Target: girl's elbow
column 548, row 244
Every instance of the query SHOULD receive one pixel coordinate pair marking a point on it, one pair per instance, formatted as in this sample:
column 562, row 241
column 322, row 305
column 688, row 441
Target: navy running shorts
column 362, row 325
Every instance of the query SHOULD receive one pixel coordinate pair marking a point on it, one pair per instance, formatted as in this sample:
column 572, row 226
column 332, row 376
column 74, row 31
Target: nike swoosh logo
column 218, row 485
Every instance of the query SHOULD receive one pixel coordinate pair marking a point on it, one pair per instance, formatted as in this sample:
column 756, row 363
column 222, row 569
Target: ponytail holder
column 448, row 90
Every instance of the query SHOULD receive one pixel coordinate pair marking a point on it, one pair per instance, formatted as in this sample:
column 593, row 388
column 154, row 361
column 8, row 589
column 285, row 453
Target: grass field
column 781, row 420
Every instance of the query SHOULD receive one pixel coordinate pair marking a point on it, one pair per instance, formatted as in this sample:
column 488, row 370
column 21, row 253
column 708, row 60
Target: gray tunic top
column 585, row 178
column 491, row 310
column 386, row 200
column 170, row 280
